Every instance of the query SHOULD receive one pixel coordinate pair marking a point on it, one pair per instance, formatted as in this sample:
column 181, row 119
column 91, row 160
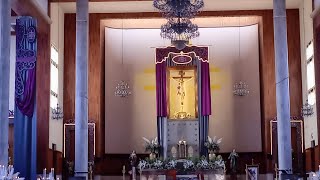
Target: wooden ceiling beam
column 29, row 8
column 62, row 1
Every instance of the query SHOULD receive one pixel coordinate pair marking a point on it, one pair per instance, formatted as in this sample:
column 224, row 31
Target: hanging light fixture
column 122, row 89
column 179, row 8
column 179, row 31
column 306, row 110
column 240, row 89
column 57, row 113
column 11, row 114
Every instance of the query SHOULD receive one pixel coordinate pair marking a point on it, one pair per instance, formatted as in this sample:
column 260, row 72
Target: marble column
column 282, row 86
column 81, row 88
column 5, row 15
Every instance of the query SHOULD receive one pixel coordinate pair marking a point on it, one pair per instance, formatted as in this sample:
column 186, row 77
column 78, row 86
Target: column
column 282, row 86
column 5, row 15
column 81, row 100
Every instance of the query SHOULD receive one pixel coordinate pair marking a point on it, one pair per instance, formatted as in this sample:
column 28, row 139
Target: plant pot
column 152, row 156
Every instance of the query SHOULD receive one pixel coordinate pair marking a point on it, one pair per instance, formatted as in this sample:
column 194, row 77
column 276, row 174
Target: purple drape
column 161, row 89
column 26, row 102
column 205, row 89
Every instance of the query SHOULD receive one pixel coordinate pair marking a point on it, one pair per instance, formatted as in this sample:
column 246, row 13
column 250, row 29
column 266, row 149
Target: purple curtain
column 205, row 89
column 161, row 89
column 25, row 103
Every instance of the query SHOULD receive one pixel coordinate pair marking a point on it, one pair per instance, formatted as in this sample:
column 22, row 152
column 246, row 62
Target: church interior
column 159, row 89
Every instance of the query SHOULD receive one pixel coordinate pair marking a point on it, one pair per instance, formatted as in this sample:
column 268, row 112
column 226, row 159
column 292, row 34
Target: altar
column 172, row 175
column 183, row 101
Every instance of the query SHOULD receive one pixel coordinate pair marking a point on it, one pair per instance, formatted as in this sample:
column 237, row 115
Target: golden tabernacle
column 182, row 88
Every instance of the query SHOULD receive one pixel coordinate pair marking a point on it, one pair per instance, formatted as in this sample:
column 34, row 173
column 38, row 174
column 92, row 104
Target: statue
column 133, row 158
column 182, row 79
column 133, row 161
column 233, row 160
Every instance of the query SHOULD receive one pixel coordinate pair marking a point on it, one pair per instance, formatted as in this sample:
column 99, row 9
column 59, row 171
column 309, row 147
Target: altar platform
column 152, row 174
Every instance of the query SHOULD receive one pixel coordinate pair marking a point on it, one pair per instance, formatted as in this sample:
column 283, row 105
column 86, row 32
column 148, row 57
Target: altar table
column 153, row 174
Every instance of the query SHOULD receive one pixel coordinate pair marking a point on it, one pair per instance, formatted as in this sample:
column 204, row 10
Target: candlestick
column 123, row 172
column 44, row 173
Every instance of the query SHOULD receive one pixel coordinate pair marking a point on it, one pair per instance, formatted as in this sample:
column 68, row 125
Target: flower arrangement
column 171, row 164
column 188, row 165
column 152, row 146
column 213, row 145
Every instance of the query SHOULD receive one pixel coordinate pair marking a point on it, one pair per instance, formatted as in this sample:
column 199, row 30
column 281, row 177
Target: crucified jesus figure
column 182, row 79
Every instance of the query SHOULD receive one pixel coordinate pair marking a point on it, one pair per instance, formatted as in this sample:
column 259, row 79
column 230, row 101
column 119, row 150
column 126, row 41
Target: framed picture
column 252, row 172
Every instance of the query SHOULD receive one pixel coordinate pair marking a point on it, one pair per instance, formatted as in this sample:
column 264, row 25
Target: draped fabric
column 25, row 119
column 205, row 89
column 161, row 89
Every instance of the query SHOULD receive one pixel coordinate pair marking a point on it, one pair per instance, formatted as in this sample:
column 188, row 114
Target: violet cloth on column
column 205, row 89
column 25, row 122
column 161, row 89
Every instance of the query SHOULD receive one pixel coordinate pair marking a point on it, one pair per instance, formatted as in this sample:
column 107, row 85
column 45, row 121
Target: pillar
column 5, row 15
column 81, row 99
column 282, row 86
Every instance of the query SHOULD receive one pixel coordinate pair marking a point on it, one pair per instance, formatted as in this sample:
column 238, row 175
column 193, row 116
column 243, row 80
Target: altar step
column 240, row 177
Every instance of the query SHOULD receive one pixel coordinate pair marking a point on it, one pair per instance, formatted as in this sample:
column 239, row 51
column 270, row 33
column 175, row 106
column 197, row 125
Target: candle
column 44, row 173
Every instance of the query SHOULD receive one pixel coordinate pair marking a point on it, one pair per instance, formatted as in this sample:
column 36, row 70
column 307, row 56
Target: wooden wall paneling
column 316, row 37
column 316, row 158
column 309, row 159
column 96, row 77
column 69, row 66
column 294, row 57
column 43, row 98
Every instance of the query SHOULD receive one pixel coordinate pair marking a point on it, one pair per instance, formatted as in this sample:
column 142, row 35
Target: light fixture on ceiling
column 240, row 89
column 179, row 31
column 306, row 110
column 122, row 88
column 57, row 113
column 179, row 8
column 11, row 114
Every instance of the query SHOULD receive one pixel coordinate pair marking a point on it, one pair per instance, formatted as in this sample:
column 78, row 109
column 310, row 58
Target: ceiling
column 146, row 6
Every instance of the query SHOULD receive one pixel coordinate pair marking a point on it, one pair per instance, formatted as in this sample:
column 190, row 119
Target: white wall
column 306, row 29
column 236, row 119
column 57, row 39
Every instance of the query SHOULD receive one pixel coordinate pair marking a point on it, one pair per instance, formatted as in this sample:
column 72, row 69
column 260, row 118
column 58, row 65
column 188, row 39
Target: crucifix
column 182, row 79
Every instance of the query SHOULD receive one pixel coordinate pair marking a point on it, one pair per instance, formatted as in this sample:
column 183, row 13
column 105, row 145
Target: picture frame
column 252, row 172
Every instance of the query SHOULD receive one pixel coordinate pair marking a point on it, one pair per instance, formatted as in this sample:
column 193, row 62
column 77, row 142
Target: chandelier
column 122, row 89
column 11, row 114
column 179, row 8
column 180, row 31
column 179, row 27
column 306, row 110
column 57, row 113
column 240, row 89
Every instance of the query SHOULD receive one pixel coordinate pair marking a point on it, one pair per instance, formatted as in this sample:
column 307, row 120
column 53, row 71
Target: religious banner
column 25, row 83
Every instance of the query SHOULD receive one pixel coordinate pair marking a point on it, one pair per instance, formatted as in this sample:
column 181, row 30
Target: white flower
column 188, row 164
column 171, row 164
column 143, row 164
column 158, row 164
column 146, row 140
